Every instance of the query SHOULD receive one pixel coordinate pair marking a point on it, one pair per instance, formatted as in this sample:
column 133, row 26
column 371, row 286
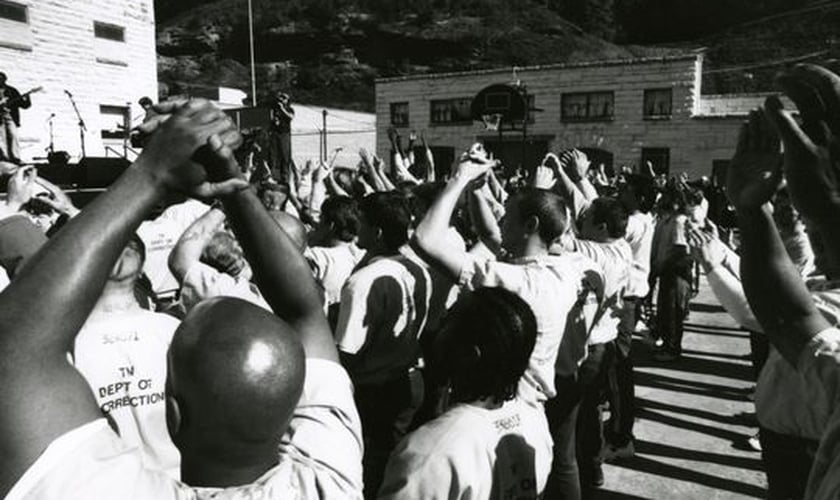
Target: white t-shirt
column 122, row 355
column 471, row 452
column 203, row 282
column 551, row 285
column 639, row 235
column 332, row 267
column 384, row 308
column 161, row 235
column 320, row 457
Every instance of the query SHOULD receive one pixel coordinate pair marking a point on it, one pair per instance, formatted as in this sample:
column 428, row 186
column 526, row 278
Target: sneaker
column 613, row 453
column 666, row 356
column 598, row 477
column 754, row 443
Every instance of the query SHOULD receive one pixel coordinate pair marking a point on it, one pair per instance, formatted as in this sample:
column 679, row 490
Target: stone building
column 100, row 51
column 622, row 112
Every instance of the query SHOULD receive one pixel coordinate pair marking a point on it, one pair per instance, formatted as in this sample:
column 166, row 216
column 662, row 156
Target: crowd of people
column 201, row 330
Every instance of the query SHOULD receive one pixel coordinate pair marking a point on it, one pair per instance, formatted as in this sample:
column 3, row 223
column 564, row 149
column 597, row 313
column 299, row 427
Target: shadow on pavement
column 694, row 412
column 663, row 450
column 644, row 464
column 725, row 434
column 705, row 308
column 688, row 386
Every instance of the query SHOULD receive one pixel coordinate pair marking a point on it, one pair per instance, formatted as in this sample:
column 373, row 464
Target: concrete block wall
column 694, row 140
column 57, row 50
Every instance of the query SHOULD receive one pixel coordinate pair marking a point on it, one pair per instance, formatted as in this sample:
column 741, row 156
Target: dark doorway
column 444, row 158
column 660, row 158
column 509, row 151
column 600, row 157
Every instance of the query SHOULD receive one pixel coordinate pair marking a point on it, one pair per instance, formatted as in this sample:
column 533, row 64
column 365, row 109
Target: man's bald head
column 236, row 372
column 293, row 227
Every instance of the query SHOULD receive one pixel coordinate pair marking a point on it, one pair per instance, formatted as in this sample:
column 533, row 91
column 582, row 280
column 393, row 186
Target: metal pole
column 324, row 116
column 253, row 66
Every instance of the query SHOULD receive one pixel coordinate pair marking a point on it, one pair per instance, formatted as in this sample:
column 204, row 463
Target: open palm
column 755, row 173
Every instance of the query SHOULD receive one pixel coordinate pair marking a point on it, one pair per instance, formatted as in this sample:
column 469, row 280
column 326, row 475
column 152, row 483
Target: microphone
column 68, row 93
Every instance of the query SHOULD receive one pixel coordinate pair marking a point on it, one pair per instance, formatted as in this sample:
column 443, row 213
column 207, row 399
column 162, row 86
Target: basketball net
column 492, row 122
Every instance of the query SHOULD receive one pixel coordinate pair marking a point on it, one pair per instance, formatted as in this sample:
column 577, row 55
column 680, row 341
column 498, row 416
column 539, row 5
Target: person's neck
column 205, row 472
column 336, row 242
column 486, row 403
column 116, row 297
column 532, row 248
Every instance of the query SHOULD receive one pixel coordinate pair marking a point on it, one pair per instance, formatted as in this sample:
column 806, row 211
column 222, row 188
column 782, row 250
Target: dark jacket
column 15, row 102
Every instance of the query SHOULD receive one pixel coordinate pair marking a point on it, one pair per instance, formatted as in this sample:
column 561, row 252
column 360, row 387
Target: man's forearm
column 775, row 291
column 62, row 282
column 430, row 235
column 281, row 271
column 191, row 244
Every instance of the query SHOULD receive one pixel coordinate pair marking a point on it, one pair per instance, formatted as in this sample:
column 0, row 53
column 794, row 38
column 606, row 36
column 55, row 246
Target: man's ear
column 531, row 225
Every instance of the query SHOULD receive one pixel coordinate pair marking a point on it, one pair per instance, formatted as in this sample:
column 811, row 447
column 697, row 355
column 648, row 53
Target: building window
column 115, row 120
column 587, row 106
column 660, row 158
column 14, row 11
column 399, row 114
column 658, row 104
column 108, row 31
column 450, row 111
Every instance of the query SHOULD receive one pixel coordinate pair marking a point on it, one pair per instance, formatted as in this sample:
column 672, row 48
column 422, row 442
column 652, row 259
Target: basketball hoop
column 492, row 121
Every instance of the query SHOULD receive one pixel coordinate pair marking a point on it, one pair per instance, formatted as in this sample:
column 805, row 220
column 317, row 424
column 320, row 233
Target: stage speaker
column 101, row 172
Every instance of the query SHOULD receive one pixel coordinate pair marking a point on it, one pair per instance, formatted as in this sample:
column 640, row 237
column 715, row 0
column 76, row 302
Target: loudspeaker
column 101, row 172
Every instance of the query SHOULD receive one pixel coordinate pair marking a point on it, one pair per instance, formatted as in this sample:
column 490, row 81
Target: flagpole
column 253, row 66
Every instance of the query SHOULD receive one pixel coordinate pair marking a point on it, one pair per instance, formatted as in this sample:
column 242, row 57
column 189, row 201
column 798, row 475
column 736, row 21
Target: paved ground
column 691, row 430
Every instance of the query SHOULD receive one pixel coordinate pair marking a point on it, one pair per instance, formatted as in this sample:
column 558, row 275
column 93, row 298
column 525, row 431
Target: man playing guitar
column 11, row 102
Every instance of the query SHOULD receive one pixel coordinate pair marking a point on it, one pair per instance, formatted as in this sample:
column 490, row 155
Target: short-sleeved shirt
column 332, row 267
column 615, row 260
column 640, row 237
column 820, row 360
column 319, row 458
column 122, row 355
column 202, row 282
column 551, row 285
column 161, row 235
column 384, row 308
column 473, row 452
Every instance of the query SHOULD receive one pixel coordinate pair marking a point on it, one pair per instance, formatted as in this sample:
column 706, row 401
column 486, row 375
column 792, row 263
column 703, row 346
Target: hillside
column 330, row 51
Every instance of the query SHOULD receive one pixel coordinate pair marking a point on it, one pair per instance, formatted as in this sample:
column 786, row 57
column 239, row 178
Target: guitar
column 5, row 102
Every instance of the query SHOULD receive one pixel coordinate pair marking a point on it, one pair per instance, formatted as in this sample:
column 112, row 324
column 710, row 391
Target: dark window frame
column 464, row 119
column 656, row 115
column 14, row 11
column 407, row 114
column 109, row 31
column 589, row 97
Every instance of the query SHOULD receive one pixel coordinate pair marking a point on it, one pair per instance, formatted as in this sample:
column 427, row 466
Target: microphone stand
column 82, row 127
column 51, row 148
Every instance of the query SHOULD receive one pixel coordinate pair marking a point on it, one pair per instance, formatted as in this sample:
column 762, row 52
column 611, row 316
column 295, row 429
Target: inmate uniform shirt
column 639, row 235
column 122, row 355
column 384, row 308
column 551, row 285
column 332, row 267
column 203, row 282
column 615, row 260
column 161, row 235
column 320, row 457
column 473, row 453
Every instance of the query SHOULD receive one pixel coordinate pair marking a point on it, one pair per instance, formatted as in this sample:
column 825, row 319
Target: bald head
column 236, row 373
column 292, row 226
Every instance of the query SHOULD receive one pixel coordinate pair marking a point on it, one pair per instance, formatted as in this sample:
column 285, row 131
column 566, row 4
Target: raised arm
column 430, row 235
column 43, row 309
column 775, row 291
column 280, row 269
column 429, row 174
column 187, row 251
column 812, row 151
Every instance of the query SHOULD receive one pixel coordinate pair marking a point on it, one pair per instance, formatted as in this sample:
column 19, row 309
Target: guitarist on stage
column 11, row 102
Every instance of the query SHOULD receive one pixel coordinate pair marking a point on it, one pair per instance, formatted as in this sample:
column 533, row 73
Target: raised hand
column 474, row 164
column 705, row 248
column 544, row 177
column 755, row 173
column 575, row 163
column 812, row 150
column 178, row 143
